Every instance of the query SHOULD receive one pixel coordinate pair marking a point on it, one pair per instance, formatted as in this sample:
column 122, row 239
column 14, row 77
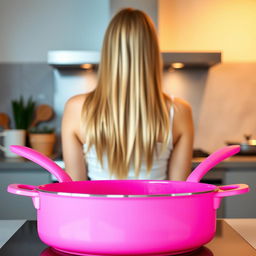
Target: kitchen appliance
column 247, row 147
column 76, row 59
column 111, row 217
column 226, row 242
column 198, row 152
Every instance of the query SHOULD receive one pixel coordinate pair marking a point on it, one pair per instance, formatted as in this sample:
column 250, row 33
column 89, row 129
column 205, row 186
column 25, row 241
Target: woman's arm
column 183, row 132
column 72, row 147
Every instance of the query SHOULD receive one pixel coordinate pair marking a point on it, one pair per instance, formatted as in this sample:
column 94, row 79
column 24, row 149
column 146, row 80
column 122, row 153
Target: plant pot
column 43, row 142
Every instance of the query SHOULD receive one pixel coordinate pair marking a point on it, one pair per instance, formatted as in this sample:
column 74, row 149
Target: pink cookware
column 202, row 251
column 126, row 217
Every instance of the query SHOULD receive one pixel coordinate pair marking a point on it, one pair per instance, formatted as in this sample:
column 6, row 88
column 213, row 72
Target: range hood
column 89, row 59
column 191, row 59
column 73, row 59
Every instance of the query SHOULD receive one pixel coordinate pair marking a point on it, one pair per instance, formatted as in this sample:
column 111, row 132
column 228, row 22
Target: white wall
column 29, row 28
column 148, row 6
column 209, row 25
column 228, row 108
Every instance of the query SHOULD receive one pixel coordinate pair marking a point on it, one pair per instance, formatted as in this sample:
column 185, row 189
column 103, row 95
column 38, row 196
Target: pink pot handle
column 211, row 161
column 41, row 160
column 229, row 190
column 25, row 190
column 232, row 190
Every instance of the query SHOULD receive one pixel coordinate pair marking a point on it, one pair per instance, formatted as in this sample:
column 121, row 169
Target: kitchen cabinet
column 241, row 205
column 19, row 171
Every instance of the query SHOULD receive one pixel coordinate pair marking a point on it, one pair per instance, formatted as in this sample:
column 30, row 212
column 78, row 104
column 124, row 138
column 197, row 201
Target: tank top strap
column 172, row 112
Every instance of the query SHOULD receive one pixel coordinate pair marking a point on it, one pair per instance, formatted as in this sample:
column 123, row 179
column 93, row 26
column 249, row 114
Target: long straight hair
column 127, row 113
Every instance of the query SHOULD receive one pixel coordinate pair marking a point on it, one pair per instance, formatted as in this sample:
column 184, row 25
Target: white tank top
column 157, row 172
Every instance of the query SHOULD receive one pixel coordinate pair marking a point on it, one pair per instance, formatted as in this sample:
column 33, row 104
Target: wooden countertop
column 246, row 228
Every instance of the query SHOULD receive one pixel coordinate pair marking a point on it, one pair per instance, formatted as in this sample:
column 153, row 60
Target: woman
column 127, row 128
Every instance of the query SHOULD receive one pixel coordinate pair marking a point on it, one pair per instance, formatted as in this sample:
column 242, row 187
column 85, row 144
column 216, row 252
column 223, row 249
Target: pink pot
column 127, row 217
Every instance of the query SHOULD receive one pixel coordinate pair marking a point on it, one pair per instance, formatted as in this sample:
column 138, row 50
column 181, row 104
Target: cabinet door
column 241, row 206
column 19, row 207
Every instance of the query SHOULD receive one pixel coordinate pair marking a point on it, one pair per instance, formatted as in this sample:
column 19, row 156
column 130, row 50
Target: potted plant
column 23, row 112
column 42, row 139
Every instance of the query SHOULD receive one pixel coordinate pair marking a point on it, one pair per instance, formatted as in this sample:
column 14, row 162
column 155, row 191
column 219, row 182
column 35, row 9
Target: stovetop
column 25, row 242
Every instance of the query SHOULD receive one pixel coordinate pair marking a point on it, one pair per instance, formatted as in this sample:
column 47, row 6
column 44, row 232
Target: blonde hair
column 127, row 113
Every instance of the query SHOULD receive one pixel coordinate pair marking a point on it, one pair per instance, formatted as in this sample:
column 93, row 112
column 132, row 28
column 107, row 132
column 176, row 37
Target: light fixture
column 171, row 69
column 86, row 66
column 177, row 65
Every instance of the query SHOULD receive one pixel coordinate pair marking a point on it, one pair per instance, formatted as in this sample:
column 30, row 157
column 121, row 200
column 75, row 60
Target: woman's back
column 123, row 120
column 98, row 171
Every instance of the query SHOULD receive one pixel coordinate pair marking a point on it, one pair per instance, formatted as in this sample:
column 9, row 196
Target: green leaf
column 23, row 112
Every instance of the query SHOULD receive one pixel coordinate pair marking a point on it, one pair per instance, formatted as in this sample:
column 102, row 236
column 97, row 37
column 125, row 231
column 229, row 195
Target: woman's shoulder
column 183, row 116
column 75, row 104
column 180, row 105
column 76, row 101
column 72, row 111
column 73, row 108
column 183, row 119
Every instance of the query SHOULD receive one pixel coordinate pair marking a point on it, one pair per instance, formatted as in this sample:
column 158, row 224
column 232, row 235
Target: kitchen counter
column 245, row 227
column 17, row 163
column 232, row 164
column 234, row 161
column 13, row 163
column 8, row 228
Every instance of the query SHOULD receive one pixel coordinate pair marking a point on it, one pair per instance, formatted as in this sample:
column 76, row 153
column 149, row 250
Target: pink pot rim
column 124, row 196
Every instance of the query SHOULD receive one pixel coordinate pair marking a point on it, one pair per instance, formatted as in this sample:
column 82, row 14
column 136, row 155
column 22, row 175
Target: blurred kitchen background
column 209, row 51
